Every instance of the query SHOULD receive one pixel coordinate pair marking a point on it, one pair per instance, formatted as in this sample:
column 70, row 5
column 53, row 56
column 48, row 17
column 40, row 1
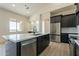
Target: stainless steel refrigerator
column 55, row 29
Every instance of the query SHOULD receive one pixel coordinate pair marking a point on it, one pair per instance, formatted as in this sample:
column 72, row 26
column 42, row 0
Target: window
column 19, row 26
column 14, row 26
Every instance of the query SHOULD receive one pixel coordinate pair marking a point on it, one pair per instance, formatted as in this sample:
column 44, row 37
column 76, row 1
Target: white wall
column 43, row 22
column 4, row 21
column 35, row 21
column 45, row 18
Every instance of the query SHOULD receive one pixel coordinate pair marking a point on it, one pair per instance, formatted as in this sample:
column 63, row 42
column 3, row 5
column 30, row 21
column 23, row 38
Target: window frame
column 17, row 22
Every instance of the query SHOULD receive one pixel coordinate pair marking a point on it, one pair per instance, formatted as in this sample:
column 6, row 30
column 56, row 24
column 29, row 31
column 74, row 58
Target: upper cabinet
column 77, row 13
column 55, row 19
column 77, row 5
column 69, row 20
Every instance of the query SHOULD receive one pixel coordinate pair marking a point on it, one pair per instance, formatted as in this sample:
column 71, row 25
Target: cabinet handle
column 26, row 43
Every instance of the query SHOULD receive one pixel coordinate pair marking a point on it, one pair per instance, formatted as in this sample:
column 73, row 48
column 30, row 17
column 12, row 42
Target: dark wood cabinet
column 77, row 17
column 76, row 48
column 56, row 19
column 69, row 20
column 52, row 20
column 42, row 43
column 77, row 5
column 64, row 38
column 77, row 13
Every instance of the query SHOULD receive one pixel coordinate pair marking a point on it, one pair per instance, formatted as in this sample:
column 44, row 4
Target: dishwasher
column 28, row 47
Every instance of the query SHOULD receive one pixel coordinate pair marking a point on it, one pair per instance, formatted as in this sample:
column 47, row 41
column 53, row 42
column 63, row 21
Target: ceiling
column 21, row 9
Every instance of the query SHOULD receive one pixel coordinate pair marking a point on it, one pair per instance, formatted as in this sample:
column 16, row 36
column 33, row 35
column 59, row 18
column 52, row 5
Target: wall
column 43, row 25
column 35, row 21
column 5, row 16
column 45, row 19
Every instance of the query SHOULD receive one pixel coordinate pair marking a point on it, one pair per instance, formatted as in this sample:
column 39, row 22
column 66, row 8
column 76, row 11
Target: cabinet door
column 56, row 19
column 52, row 20
column 76, row 49
column 42, row 43
column 64, row 38
column 39, row 45
column 77, row 7
column 69, row 21
column 77, row 18
column 46, row 40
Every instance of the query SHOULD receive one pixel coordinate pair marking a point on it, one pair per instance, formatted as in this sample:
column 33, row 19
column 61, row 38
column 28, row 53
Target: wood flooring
column 56, row 49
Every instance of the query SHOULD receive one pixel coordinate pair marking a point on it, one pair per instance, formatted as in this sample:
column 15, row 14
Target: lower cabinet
column 42, row 43
column 64, row 38
column 76, row 50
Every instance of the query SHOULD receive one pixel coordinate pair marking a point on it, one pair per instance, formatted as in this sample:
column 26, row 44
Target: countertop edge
column 35, row 36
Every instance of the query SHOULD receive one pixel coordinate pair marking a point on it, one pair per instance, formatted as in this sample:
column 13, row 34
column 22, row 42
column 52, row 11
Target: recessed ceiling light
column 13, row 5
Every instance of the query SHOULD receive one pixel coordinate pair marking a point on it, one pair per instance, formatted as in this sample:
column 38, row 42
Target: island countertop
column 21, row 37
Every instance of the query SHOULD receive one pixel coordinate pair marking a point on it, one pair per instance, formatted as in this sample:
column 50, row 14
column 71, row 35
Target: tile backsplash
column 69, row 30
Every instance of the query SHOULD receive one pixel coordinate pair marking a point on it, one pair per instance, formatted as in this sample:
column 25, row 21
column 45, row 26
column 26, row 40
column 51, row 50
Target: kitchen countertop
column 69, row 33
column 21, row 37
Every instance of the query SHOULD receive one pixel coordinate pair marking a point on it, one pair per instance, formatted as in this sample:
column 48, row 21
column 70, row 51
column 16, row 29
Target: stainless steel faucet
column 34, row 29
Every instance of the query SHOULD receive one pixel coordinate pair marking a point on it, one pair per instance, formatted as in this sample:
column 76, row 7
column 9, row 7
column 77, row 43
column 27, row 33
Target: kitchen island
column 26, row 44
